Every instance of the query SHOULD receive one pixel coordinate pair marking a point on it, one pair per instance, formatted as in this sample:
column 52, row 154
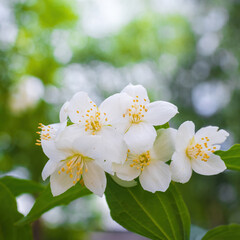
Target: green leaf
column 46, row 201
column 156, row 216
column 18, row 186
column 228, row 232
column 9, row 215
column 197, row 233
column 231, row 157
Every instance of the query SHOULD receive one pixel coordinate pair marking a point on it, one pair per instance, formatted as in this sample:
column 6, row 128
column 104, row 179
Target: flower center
column 200, row 150
column 93, row 119
column 136, row 111
column 93, row 123
column 74, row 167
column 141, row 161
column 47, row 132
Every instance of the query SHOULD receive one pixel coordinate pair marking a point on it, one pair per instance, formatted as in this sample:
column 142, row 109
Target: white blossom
column 195, row 151
column 74, row 159
column 141, row 116
column 104, row 121
column 154, row 174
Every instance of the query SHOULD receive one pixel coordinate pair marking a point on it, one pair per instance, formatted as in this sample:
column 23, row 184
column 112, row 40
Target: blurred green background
column 185, row 52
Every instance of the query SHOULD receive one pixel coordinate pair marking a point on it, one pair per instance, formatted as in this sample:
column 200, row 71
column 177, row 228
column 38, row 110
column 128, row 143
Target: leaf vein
column 135, row 219
column 170, row 222
column 149, row 215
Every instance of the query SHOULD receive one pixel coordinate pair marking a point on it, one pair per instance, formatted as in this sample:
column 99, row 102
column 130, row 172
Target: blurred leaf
column 231, row 157
column 156, row 216
column 197, row 233
column 18, row 186
column 46, row 201
column 228, row 232
column 9, row 215
column 54, row 13
column 144, row 38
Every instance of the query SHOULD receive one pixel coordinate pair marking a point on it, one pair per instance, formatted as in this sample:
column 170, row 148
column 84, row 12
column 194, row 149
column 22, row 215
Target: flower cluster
column 119, row 137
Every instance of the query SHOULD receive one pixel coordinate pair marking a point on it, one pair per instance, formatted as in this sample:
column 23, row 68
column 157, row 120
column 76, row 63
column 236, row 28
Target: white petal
column 51, row 151
column 78, row 105
column 114, row 107
column 140, row 137
column 105, row 165
column 49, row 168
column 95, row 179
column 164, row 145
column 215, row 136
column 87, row 145
column 59, row 127
column 125, row 171
column 136, row 90
column 68, row 136
column 49, row 146
column 64, row 112
column 112, row 145
column 156, row 177
column 184, row 134
column 213, row 166
column 60, row 183
column 217, row 147
column 180, row 167
column 160, row 112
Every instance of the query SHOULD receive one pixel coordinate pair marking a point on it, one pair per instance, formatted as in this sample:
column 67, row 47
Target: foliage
column 156, row 216
column 20, row 186
column 46, row 202
column 230, row 232
column 9, row 215
column 231, row 157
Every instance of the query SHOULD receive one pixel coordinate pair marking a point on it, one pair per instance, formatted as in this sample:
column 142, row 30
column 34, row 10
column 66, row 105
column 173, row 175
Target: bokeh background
column 185, row 51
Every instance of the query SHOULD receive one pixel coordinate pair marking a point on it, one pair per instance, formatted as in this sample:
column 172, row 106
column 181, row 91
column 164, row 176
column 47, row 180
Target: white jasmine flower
column 100, row 121
column 141, row 116
column 75, row 159
column 154, row 174
column 196, row 151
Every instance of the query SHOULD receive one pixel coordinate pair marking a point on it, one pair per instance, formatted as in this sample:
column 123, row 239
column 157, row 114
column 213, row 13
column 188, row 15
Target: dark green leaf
column 9, row 215
column 156, row 216
column 228, row 232
column 18, row 186
column 231, row 157
column 46, row 201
